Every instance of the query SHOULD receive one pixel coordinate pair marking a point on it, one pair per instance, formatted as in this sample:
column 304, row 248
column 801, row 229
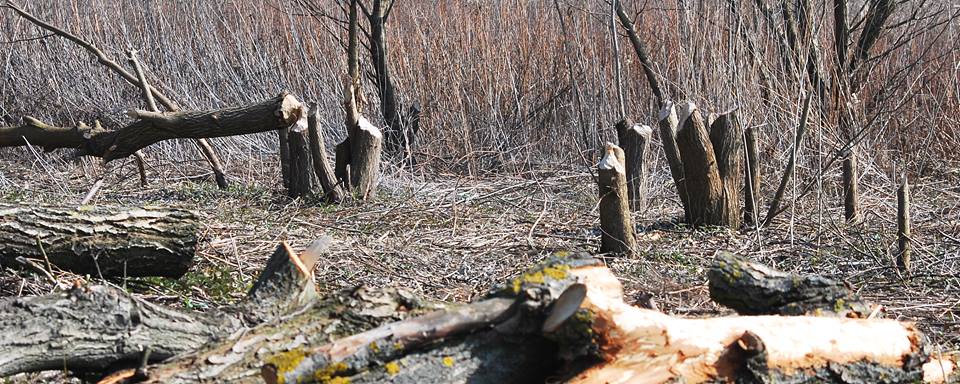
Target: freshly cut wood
column 100, row 241
column 318, row 152
column 753, row 289
column 616, row 224
column 374, row 336
column 635, row 141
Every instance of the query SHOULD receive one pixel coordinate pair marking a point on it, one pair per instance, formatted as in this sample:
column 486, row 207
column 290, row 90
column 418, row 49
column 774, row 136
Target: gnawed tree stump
column 303, row 181
column 563, row 320
column 151, row 127
column 100, row 241
column 668, row 121
column 635, row 141
column 616, row 224
column 711, row 167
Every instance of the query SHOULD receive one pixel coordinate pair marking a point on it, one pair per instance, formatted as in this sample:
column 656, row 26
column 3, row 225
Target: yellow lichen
column 397, row 346
column 838, row 305
column 329, row 373
column 286, row 362
column 516, row 286
column 374, row 347
column 562, row 253
column 557, row 273
column 447, row 361
column 533, row 278
column 392, row 368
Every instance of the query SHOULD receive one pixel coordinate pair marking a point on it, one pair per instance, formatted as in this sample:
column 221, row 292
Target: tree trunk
column 303, row 181
column 668, row 122
column 700, row 169
column 284, row 140
column 616, row 224
column 100, row 241
column 903, row 226
column 321, row 164
column 365, row 149
column 851, row 197
column 37, row 133
column 726, row 136
column 635, row 141
column 400, row 131
column 751, row 188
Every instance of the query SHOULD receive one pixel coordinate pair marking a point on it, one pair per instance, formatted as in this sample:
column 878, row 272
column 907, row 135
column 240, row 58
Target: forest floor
column 453, row 238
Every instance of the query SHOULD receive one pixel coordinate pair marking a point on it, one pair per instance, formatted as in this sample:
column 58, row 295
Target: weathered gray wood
column 46, row 136
column 318, row 153
column 100, row 241
column 92, row 328
column 903, row 226
column 616, row 224
column 635, row 141
column 753, row 289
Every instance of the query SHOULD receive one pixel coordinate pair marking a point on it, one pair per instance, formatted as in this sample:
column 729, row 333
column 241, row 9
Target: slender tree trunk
column 751, row 189
column 635, row 141
column 668, row 122
column 284, row 141
column 851, row 198
column 321, row 164
column 903, row 226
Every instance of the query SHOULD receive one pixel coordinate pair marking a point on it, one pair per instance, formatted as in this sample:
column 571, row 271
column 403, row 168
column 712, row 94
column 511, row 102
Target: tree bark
column 276, row 113
column 616, row 224
column 851, row 196
column 303, row 181
column 595, row 336
column 753, row 289
column 726, row 136
column 284, row 140
column 100, row 241
column 321, row 164
column 903, row 226
column 668, row 122
column 365, row 150
column 37, row 133
column 751, row 188
column 635, row 141
column 700, row 169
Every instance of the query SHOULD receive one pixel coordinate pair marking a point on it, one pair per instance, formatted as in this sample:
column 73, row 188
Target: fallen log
column 565, row 320
column 276, row 113
column 100, row 241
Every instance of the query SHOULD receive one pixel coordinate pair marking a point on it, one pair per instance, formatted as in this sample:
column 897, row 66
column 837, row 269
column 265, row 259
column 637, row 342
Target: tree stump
column 318, row 152
column 303, row 180
column 616, row 224
column 667, row 123
column 751, row 188
column 903, row 226
column 635, row 141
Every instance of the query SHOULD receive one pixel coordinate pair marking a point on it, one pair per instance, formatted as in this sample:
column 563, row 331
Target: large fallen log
column 276, row 113
column 565, row 320
column 100, row 241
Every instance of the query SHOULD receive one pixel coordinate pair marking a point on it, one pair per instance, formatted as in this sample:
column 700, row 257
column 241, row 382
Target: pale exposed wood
column 616, row 224
column 100, row 241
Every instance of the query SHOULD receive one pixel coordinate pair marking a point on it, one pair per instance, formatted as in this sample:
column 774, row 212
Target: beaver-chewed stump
column 565, row 320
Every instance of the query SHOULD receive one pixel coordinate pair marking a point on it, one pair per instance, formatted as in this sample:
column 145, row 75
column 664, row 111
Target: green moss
column 839, row 305
column 221, row 284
